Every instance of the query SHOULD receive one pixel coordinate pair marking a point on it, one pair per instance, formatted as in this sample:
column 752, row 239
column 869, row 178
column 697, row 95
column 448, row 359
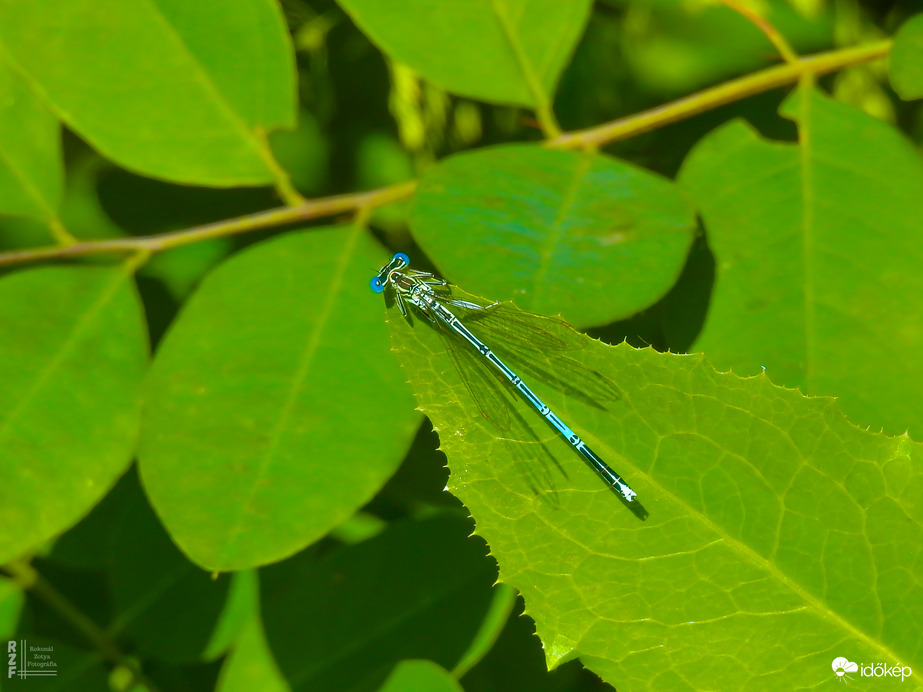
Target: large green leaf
column 73, row 353
column 505, row 51
column 548, row 228
column 817, row 258
column 31, row 171
column 778, row 536
column 252, row 444
column 166, row 88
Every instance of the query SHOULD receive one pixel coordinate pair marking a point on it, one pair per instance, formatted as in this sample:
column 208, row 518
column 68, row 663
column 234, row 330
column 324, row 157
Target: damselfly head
column 398, row 261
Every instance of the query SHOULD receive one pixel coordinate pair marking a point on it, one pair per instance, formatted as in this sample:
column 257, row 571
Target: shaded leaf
column 250, row 665
column 167, row 607
column 11, row 602
column 419, row 676
column 417, row 590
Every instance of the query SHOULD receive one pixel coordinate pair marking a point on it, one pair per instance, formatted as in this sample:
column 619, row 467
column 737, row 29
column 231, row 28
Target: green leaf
column 166, row 606
column 82, row 211
column 304, row 153
column 166, row 88
column 417, row 590
column 906, row 63
column 31, row 170
column 250, row 665
column 72, row 356
column 272, row 415
column 778, row 535
column 419, row 676
column 817, row 258
column 492, row 626
column 503, row 51
column 549, row 228
column 11, row 602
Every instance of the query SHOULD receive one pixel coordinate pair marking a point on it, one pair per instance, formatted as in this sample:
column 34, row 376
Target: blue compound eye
column 376, row 285
column 402, row 257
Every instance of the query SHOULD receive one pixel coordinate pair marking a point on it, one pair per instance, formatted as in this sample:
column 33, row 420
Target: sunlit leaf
column 769, row 535
column 31, row 170
column 167, row 88
column 505, row 51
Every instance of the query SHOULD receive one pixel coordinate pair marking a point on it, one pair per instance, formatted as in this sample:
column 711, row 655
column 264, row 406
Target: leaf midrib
column 331, row 295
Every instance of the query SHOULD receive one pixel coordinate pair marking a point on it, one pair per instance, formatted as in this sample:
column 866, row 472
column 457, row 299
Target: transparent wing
column 492, row 395
column 518, row 328
column 485, row 390
column 509, row 331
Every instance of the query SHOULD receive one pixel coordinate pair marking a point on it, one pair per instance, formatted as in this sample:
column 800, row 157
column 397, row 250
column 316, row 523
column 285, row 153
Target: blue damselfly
column 432, row 299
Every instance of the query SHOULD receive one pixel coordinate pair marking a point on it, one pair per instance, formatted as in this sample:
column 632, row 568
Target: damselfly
column 432, row 299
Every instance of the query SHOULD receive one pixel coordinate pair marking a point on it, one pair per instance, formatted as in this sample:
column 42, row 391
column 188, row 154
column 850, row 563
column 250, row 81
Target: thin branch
column 591, row 138
column 720, row 95
column 311, row 209
column 29, row 579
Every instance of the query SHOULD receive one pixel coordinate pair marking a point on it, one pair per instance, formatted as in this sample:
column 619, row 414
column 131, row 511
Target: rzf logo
column 28, row 661
column 11, row 650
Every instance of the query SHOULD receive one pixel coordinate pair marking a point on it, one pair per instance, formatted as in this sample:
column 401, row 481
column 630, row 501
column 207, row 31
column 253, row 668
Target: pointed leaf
column 778, row 536
column 817, row 258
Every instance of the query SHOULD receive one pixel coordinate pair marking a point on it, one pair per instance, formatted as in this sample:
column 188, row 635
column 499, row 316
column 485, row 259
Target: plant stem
column 29, row 579
column 310, row 209
column 592, row 138
column 713, row 97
